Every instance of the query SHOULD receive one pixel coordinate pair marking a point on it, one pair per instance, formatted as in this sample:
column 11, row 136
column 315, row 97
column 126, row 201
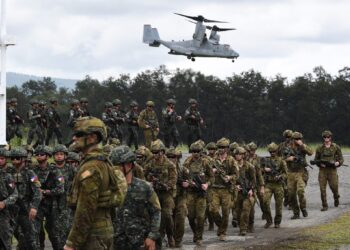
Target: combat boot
column 171, row 242
column 243, row 233
column 199, row 243
column 234, row 223
column 222, row 237
column 251, row 228
column 324, row 209
column 336, row 202
column 295, row 216
column 277, row 226
column 304, row 212
column 268, row 224
column 211, row 227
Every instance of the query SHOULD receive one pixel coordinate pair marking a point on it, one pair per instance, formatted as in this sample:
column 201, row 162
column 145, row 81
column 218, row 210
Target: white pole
column 3, row 46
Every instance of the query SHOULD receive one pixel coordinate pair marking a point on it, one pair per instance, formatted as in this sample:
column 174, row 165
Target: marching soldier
column 109, row 119
column 133, row 127
column 275, row 174
column 95, row 189
column 170, row 117
column 296, row 163
column 162, row 174
column 35, row 125
column 221, row 191
column 328, row 158
column 194, row 122
column 26, row 206
column 143, row 156
column 148, row 121
column 84, row 103
column 43, row 123
column 74, row 113
column 54, row 122
column 211, row 149
column 201, row 177
column 14, row 121
column 132, row 229
column 119, row 117
column 246, row 184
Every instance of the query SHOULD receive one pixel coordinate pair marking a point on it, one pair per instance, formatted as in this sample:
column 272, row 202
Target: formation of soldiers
column 111, row 197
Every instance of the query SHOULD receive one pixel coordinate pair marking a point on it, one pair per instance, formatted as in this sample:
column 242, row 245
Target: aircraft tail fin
column 151, row 36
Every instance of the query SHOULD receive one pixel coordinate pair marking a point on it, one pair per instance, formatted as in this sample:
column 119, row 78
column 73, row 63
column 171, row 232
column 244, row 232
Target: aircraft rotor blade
column 199, row 18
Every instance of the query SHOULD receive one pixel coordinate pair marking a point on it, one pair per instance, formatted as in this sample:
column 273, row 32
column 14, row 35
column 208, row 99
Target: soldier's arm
column 70, row 121
column 307, row 150
column 172, row 176
column 258, row 173
column 35, row 186
column 339, row 155
column 252, row 175
column 209, row 173
column 154, row 214
column 141, row 120
column 12, row 190
column 59, row 183
column 283, row 169
column 86, row 208
column 318, row 154
column 233, row 172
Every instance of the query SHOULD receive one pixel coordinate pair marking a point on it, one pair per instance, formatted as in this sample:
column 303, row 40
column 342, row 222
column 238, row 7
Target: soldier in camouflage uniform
column 221, row 191
column 194, row 122
column 137, row 222
column 73, row 159
column 109, row 119
column 275, row 174
column 254, row 159
column 84, row 106
column 330, row 153
column 33, row 116
column 143, row 156
column 180, row 211
column 52, row 188
column 96, row 188
column 65, row 214
column 74, row 113
column 54, row 122
column 211, row 149
column 119, row 117
column 26, row 207
column 8, row 197
column 148, row 121
column 246, row 184
column 162, row 174
column 43, row 123
column 281, row 152
column 133, row 127
column 14, row 121
column 170, row 117
column 296, row 163
column 201, row 177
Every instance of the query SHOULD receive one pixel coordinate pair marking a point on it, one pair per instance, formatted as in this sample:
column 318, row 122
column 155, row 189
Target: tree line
column 244, row 107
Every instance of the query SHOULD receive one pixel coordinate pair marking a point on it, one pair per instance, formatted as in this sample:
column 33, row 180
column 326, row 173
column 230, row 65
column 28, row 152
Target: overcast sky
column 103, row 38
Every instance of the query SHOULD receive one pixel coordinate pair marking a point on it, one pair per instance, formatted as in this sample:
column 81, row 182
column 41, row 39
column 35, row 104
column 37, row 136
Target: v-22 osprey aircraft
column 199, row 46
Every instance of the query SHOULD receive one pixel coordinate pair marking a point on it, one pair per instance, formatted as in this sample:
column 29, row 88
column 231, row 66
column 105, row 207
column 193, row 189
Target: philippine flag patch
column 34, row 179
column 61, row 179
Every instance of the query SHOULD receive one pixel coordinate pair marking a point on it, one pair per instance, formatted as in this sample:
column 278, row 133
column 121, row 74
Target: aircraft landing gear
column 188, row 57
column 193, row 59
column 233, row 60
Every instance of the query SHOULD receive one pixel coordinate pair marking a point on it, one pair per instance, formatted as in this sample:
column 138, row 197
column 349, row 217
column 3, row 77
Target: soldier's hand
column 150, row 244
column 179, row 118
column 2, row 205
column 323, row 166
column 204, row 186
column 214, row 170
column 147, row 126
column 227, row 178
column 262, row 190
column 238, row 187
column 201, row 121
column 299, row 142
column 290, row 158
column 157, row 129
column 32, row 214
column 250, row 193
column 67, row 248
column 185, row 184
column 267, row 170
column 336, row 163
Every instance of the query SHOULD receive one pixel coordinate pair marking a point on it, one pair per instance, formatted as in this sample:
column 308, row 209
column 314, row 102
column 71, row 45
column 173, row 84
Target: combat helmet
column 272, row 147
column 13, row 100
column 108, row 105
column 327, row 133
column 33, row 101
column 4, row 152
column 74, row 102
column 200, row 142
column 133, row 104
column 115, row 142
column 43, row 149
column 192, row 101
column 223, row 143
column 287, row 133
column 252, row 146
column 150, row 104
column 170, row 152
column 171, row 101
column 196, row 147
column 18, row 152
column 60, row 148
column 239, row 150
column 87, row 125
column 117, row 102
column 178, row 153
column 143, row 151
column 73, row 156
column 297, row 135
column 157, row 146
column 211, row 146
column 233, row 146
column 122, row 154
column 53, row 100
column 83, row 100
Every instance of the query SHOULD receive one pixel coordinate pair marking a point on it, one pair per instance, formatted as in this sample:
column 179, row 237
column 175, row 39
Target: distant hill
column 17, row 79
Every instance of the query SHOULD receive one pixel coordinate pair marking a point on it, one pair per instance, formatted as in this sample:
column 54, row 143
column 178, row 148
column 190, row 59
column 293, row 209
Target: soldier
column 35, row 125
column 194, row 122
column 133, row 127
column 296, row 163
column 74, row 113
column 281, row 152
column 95, row 189
column 84, row 106
column 119, row 117
column 232, row 148
column 65, row 214
column 211, row 149
column 43, row 119
column 52, row 188
column 201, row 177
column 26, row 207
column 54, row 122
column 246, row 184
column 170, row 117
column 275, row 174
column 109, row 119
column 14, row 121
column 148, row 121
column 180, row 211
column 8, row 197
column 133, row 229
column 162, row 174
column 254, row 159
column 221, row 191
column 143, row 156
column 328, row 158
column 73, row 159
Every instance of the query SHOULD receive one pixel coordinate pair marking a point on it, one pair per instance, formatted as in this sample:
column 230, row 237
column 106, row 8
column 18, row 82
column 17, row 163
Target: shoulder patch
column 86, row 174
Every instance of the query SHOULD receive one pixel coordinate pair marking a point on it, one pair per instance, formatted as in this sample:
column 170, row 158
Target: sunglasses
column 171, row 156
column 222, row 147
column 40, row 154
column 16, row 158
column 326, row 136
column 195, row 151
column 155, row 152
column 79, row 134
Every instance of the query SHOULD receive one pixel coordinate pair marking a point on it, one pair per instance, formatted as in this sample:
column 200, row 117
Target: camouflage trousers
column 260, row 198
column 196, row 205
column 243, row 208
column 167, row 205
column 220, row 198
column 133, row 136
column 194, row 134
column 180, row 214
column 6, row 230
column 171, row 137
column 40, row 134
column 25, row 233
column 149, row 136
column 50, row 132
column 330, row 176
column 276, row 190
column 12, row 131
column 296, row 191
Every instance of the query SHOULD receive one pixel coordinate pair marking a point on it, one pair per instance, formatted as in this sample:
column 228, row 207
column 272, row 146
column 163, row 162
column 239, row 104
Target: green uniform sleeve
column 12, row 190
column 209, row 173
column 339, row 155
column 59, row 183
column 284, row 169
column 35, row 186
column 154, row 213
column 141, row 119
column 172, row 175
column 318, row 153
column 307, row 150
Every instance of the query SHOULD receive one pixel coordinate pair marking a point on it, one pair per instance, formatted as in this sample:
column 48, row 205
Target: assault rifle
column 299, row 158
column 156, row 183
column 269, row 163
column 245, row 186
column 222, row 173
column 328, row 164
column 197, row 180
